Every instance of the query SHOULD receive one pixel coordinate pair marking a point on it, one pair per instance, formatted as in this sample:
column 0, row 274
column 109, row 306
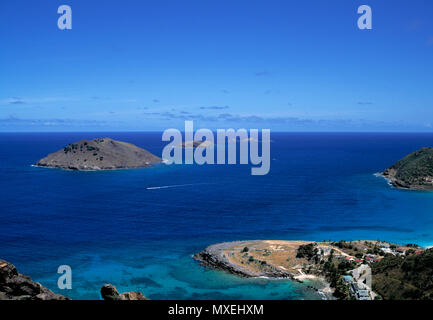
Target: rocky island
column 196, row 144
column 99, row 154
column 414, row 172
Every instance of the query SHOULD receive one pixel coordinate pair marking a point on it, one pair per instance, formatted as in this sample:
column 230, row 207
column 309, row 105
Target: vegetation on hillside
column 307, row 251
column 404, row 277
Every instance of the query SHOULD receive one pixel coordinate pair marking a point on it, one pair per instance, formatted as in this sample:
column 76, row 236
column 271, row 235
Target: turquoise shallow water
column 110, row 228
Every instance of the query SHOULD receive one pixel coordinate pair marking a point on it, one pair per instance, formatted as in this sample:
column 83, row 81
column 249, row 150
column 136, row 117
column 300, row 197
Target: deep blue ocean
column 110, row 228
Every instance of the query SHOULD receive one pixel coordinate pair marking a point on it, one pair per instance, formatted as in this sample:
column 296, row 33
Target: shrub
column 306, row 251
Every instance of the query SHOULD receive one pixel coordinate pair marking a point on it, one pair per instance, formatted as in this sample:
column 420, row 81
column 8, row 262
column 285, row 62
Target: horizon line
column 161, row 131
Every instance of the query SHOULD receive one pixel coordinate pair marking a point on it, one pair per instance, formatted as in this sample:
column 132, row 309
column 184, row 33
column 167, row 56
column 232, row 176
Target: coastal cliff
column 414, row 172
column 15, row 286
column 99, row 154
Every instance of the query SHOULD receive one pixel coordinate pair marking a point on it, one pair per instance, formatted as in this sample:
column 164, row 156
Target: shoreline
column 215, row 257
column 395, row 183
column 94, row 170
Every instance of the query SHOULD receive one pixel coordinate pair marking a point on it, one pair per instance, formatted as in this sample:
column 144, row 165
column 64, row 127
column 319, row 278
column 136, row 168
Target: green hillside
column 404, row 277
column 413, row 171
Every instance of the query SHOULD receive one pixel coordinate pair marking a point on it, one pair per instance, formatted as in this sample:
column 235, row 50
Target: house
column 358, row 292
column 370, row 259
column 363, row 294
column 348, row 279
column 388, row 250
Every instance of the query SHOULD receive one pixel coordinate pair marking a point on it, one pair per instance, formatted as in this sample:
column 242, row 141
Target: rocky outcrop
column 99, row 154
column 15, row 286
column 109, row 292
column 415, row 171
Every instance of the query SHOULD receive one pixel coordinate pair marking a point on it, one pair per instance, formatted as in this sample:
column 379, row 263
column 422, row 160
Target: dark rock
column 15, row 286
column 109, row 292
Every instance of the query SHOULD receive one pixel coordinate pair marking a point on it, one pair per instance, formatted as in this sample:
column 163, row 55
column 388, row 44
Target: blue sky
column 149, row 65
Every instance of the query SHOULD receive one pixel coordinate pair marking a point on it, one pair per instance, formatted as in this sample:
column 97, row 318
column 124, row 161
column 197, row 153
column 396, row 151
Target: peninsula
column 361, row 270
column 99, row 154
column 413, row 172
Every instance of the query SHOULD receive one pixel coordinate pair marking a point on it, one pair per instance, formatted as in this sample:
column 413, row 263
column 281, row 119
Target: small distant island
column 196, row 144
column 99, row 154
column 413, row 172
column 348, row 270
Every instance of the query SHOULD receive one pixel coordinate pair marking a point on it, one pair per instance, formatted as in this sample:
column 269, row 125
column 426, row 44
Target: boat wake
column 173, row 186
